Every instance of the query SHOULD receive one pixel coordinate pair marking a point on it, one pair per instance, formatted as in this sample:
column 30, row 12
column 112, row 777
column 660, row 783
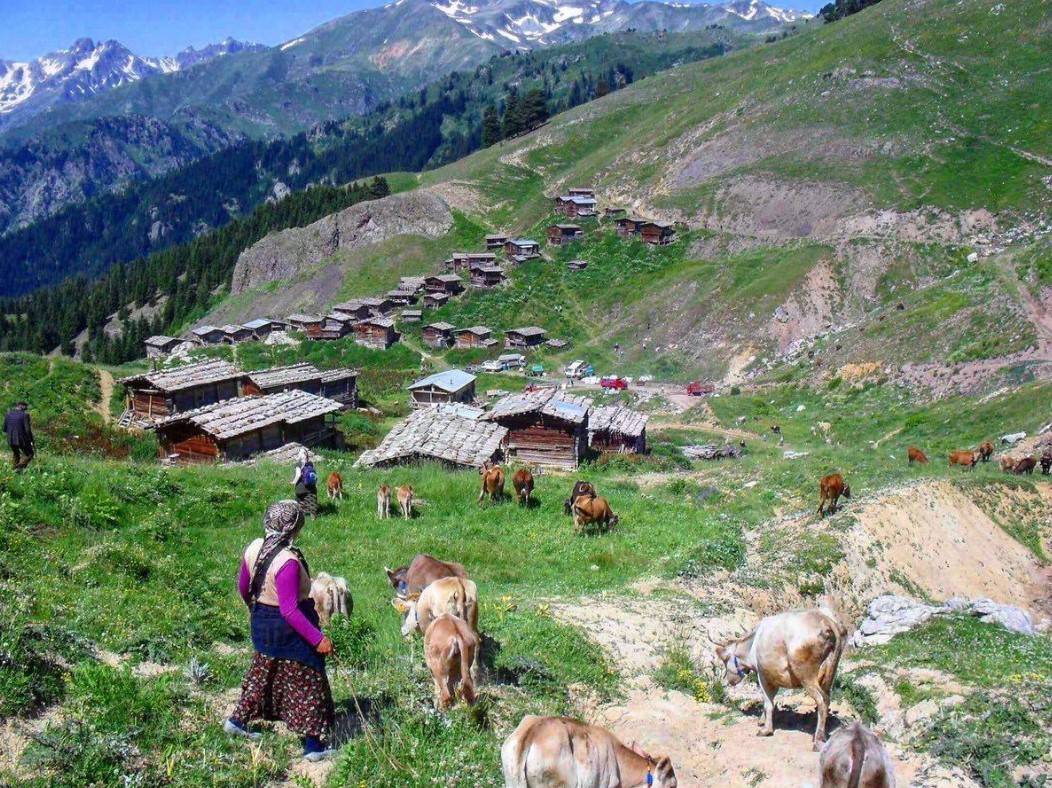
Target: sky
column 31, row 28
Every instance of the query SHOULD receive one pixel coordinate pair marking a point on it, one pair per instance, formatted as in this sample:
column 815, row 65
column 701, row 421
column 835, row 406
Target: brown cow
column 592, row 510
column 830, row 488
column 580, row 488
column 559, row 752
column 405, row 500
column 854, row 758
column 457, row 596
column 986, row 450
column 421, row 572
column 331, row 597
column 1007, row 463
column 522, row 481
column 450, row 646
column 334, row 486
column 383, row 501
column 1025, row 465
column 916, row 456
column 966, row 458
column 492, row 482
column 1046, row 462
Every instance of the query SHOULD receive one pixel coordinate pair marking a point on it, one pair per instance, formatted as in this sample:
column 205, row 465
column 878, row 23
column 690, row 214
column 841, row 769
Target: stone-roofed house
column 161, row 345
column 614, row 428
column 452, row 434
column 545, row 427
column 159, row 394
column 525, row 337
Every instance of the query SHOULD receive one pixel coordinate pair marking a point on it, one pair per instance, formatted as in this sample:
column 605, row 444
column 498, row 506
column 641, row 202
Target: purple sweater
column 287, row 584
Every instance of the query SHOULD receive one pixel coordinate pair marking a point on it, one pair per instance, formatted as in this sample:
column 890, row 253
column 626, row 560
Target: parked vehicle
column 493, row 365
column 579, row 369
column 698, row 389
column 536, row 371
column 613, row 382
column 512, row 360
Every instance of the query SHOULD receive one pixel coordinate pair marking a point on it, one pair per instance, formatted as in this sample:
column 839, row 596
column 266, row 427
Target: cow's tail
column 858, row 755
column 828, row 669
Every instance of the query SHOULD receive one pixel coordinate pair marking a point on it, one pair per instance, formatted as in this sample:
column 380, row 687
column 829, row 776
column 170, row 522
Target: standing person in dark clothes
column 287, row 679
column 305, row 480
column 19, row 431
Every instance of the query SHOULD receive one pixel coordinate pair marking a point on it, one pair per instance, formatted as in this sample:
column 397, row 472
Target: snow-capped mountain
column 88, row 68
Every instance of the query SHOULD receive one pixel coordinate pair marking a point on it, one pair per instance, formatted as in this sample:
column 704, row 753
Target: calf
column 1046, row 462
column 492, row 482
column 559, row 752
column 986, row 450
column 383, row 501
column 1025, row 465
column 331, row 597
column 405, row 500
column 450, row 646
column 854, row 758
column 592, row 510
column 916, row 456
column 453, row 595
column 1007, row 463
column 966, row 458
column 789, row 651
column 830, row 488
column 334, row 486
column 522, row 481
column 423, row 570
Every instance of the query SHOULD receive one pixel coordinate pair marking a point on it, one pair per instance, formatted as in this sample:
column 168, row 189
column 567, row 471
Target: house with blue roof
column 448, row 386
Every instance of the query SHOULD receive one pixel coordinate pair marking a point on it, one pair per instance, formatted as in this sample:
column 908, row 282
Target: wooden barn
column 412, row 284
column 376, row 332
column 311, row 325
column 340, row 385
column 233, row 334
column 614, row 213
column 627, row 226
column 452, row 434
column 526, row 336
column 450, row 284
column 435, row 300
column 496, row 241
column 207, row 335
column 157, row 395
column 473, row 336
column 160, row 345
column 466, row 261
column 438, row 335
column 522, row 249
column 559, row 234
column 545, row 427
column 451, row 385
column 378, row 307
column 657, row 233
column 263, row 327
column 576, row 205
column 613, row 428
column 354, row 309
column 487, row 276
column 401, row 297
column 581, row 191
column 336, row 326
column 242, row 427
column 411, row 315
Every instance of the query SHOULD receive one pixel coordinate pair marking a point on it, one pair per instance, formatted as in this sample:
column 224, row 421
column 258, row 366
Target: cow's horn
column 712, row 640
column 387, row 569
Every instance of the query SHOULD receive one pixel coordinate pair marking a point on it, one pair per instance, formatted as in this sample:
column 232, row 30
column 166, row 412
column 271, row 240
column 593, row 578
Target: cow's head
column 732, row 654
column 613, row 521
column 568, row 506
column 659, row 770
column 399, row 579
column 847, row 491
column 407, row 607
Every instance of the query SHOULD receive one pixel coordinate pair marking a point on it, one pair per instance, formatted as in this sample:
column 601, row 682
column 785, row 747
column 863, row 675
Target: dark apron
column 273, row 637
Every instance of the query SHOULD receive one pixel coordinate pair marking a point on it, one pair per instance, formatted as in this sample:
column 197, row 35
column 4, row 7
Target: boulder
column 1010, row 617
column 890, row 615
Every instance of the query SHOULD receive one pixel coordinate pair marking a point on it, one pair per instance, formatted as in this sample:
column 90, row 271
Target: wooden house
column 576, row 205
column 522, row 249
column 435, row 300
column 627, row 226
column 581, row 191
column 263, row 327
column 453, row 434
column 559, row 234
column 340, row 385
column 657, row 233
column 613, row 428
column 311, row 325
column 157, row 395
column 378, row 307
column 467, row 261
column 439, row 335
column 526, row 336
column 207, row 335
column 473, row 336
column 450, row 284
column 487, row 276
column 354, row 308
column 614, row 213
column 376, row 332
column 496, row 241
column 410, row 315
column 160, row 345
column 239, row 428
column 401, row 297
column 412, row 284
column 545, row 427
column 336, row 326
column 234, row 334
column 451, row 385
column 577, row 265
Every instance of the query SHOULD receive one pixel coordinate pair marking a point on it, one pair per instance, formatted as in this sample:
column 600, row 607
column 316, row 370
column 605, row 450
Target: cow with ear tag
column 453, row 595
column 794, row 650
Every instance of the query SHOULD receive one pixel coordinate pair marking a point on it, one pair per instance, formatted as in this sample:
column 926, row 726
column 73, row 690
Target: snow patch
column 292, row 43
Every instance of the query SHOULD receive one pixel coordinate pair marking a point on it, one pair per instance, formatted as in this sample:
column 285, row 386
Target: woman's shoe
column 314, row 750
column 235, row 728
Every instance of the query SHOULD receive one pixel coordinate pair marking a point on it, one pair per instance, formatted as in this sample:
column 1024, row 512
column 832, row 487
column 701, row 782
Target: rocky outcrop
column 890, row 615
column 284, row 254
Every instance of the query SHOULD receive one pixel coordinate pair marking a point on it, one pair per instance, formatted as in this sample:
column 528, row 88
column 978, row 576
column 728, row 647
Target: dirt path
column 103, row 405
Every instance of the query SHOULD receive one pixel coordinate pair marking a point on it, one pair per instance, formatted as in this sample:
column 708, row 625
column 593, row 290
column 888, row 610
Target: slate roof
column 453, row 434
column 187, row 376
column 617, row 419
column 440, row 326
column 160, row 340
column 202, row 330
column 233, row 417
column 479, row 330
column 527, row 331
column 259, row 322
column 547, row 401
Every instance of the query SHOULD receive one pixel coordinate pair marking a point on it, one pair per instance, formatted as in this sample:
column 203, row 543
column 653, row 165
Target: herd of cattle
column 969, row 459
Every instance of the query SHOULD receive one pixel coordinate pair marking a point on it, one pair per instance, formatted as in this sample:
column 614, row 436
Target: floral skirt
column 281, row 689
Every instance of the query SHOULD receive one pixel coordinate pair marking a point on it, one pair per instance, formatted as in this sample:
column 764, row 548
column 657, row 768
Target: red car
column 698, row 389
column 613, row 382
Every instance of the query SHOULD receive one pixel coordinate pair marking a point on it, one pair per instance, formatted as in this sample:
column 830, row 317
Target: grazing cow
column 492, row 482
column 450, row 646
column 580, row 488
column 986, row 451
column 454, row 595
column 789, row 651
column 966, row 458
column 331, row 597
column 1007, row 463
column 405, row 500
column 421, row 572
column 334, row 486
column 1025, row 465
column 854, row 758
column 522, row 481
column 383, row 501
column 830, row 488
column 916, row 456
column 559, row 752
column 592, row 510
column 1046, row 462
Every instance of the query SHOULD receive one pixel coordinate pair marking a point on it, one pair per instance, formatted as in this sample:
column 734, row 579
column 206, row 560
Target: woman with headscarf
column 305, row 481
column 287, row 679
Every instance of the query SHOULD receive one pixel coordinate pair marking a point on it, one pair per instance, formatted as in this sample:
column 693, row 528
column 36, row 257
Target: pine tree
column 491, row 131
